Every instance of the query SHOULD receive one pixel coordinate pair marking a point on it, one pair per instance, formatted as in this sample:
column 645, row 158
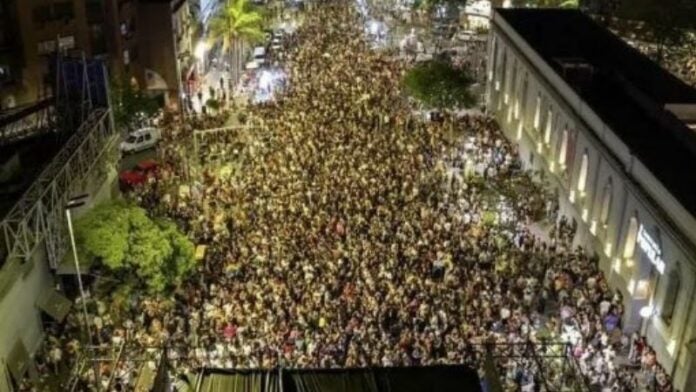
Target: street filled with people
column 355, row 235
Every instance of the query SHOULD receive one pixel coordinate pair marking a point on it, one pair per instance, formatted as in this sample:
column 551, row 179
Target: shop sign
column 651, row 249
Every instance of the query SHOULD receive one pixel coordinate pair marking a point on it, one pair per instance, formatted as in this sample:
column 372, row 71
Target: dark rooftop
column 626, row 89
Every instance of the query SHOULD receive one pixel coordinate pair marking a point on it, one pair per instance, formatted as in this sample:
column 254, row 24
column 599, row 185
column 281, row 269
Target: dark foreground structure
column 417, row 379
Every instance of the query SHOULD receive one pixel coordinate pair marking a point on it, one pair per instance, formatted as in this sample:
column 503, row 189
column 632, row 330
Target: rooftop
column 625, row 89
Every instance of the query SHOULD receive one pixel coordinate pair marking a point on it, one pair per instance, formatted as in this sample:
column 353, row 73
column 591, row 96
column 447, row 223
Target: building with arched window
column 610, row 130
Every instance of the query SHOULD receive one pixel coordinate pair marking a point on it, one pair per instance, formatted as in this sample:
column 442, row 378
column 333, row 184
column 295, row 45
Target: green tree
column 235, row 24
column 130, row 105
column 436, row 83
column 125, row 240
column 665, row 23
column 213, row 104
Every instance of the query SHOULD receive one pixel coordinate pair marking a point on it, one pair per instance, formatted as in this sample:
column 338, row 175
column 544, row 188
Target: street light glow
column 200, row 50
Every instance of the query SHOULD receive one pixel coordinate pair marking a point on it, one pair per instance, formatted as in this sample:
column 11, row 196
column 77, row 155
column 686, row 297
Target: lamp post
column 76, row 202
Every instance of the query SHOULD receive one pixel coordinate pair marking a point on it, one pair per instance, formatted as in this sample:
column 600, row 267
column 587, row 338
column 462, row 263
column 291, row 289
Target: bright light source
column 268, row 82
column 608, row 248
column 200, row 50
column 373, row 27
column 671, row 347
column 646, row 311
column 617, row 265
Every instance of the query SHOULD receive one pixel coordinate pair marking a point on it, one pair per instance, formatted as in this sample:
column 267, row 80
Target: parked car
column 129, row 179
column 140, row 140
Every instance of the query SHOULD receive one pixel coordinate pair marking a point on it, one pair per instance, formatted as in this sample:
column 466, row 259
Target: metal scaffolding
column 21, row 123
column 38, row 215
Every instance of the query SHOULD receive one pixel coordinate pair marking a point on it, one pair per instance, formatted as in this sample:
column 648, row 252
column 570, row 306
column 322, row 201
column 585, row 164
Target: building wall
column 38, row 24
column 20, row 318
column 135, row 35
column 122, row 20
column 22, row 284
column 157, row 46
column 606, row 190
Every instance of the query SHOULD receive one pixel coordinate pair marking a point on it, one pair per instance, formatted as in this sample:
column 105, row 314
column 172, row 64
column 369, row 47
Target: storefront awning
column 54, row 304
column 155, row 81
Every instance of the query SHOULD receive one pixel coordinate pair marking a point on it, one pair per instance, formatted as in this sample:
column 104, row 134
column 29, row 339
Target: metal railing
column 38, row 215
column 24, row 122
column 550, row 363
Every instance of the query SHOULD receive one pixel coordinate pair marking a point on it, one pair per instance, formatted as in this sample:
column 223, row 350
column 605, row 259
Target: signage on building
column 64, row 43
column 651, row 249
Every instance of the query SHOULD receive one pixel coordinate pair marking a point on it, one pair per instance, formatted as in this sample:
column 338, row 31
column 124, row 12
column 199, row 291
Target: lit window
column 549, row 124
column 537, row 112
column 563, row 153
column 582, row 178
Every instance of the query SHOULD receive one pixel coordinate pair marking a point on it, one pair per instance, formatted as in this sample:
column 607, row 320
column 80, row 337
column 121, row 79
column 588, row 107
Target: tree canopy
column 125, row 240
column 437, row 83
column 130, row 105
column 236, row 20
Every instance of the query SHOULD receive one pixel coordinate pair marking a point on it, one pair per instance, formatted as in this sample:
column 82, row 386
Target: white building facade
column 644, row 235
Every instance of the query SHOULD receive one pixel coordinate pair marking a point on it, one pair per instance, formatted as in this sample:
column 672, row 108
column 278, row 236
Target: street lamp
column 73, row 203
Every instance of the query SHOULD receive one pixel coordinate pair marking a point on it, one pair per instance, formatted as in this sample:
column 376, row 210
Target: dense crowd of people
column 356, row 235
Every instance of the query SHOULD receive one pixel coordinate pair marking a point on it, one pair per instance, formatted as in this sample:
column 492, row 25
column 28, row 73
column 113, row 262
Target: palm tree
column 235, row 24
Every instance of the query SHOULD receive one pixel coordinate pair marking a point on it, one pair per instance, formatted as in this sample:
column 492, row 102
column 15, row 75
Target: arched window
column 631, row 236
column 549, row 124
column 584, row 167
column 606, row 203
column 510, row 88
column 522, row 97
column 494, row 52
column 563, row 151
column 537, row 111
column 503, row 70
column 669, row 302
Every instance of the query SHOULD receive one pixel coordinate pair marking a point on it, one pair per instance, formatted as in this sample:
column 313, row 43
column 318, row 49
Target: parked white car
column 140, row 140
